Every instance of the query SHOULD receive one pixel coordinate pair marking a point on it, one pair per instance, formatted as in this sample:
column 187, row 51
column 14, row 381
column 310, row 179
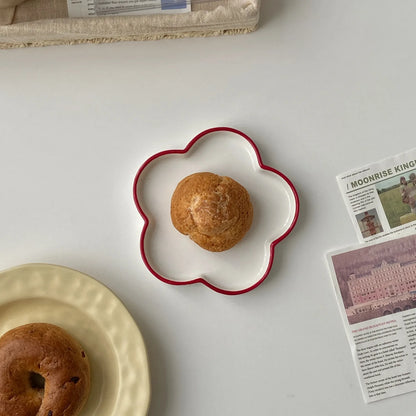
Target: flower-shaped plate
column 173, row 257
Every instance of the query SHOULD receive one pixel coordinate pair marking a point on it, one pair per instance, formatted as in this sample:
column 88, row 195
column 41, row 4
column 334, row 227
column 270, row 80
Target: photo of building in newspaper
column 377, row 280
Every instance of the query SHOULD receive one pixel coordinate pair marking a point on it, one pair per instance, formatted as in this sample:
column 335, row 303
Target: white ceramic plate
column 92, row 314
column 173, row 257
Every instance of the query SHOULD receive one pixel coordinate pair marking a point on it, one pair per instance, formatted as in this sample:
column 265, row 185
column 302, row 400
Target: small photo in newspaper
column 375, row 287
column 381, row 197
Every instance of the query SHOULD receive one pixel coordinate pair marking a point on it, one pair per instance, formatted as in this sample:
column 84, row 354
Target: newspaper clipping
column 381, row 197
column 375, row 286
column 91, row 8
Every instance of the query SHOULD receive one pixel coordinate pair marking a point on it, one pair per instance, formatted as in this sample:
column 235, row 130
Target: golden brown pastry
column 215, row 211
column 43, row 372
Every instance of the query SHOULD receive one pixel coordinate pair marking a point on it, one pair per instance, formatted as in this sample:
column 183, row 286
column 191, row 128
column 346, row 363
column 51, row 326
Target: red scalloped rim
column 146, row 219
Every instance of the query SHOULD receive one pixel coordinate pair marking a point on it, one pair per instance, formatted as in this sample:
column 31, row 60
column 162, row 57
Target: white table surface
column 321, row 87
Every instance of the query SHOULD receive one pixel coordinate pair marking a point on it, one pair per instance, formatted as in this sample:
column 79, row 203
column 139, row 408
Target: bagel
column 43, row 372
column 214, row 211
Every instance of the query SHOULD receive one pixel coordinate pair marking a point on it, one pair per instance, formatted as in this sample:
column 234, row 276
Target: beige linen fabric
column 6, row 15
column 46, row 22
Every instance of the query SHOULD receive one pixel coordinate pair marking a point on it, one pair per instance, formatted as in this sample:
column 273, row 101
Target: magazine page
column 381, row 197
column 375, row 286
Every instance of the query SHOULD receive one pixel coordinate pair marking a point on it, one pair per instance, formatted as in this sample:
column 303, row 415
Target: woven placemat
column 46, row 22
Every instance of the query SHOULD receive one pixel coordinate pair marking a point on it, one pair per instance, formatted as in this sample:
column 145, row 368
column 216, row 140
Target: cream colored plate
column 93, row 315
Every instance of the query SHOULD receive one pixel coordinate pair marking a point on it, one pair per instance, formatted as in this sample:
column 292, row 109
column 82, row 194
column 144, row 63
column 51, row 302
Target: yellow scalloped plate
column 94, row 316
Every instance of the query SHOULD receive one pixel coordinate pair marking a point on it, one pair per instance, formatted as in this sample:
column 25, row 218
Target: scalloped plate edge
column 147, row 221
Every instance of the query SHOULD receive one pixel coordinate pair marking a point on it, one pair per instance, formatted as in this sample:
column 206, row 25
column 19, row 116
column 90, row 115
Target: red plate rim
column 147, row 221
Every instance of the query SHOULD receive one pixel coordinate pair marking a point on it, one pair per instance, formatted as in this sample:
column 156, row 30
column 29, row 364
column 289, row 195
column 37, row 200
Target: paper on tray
column 90, row 8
